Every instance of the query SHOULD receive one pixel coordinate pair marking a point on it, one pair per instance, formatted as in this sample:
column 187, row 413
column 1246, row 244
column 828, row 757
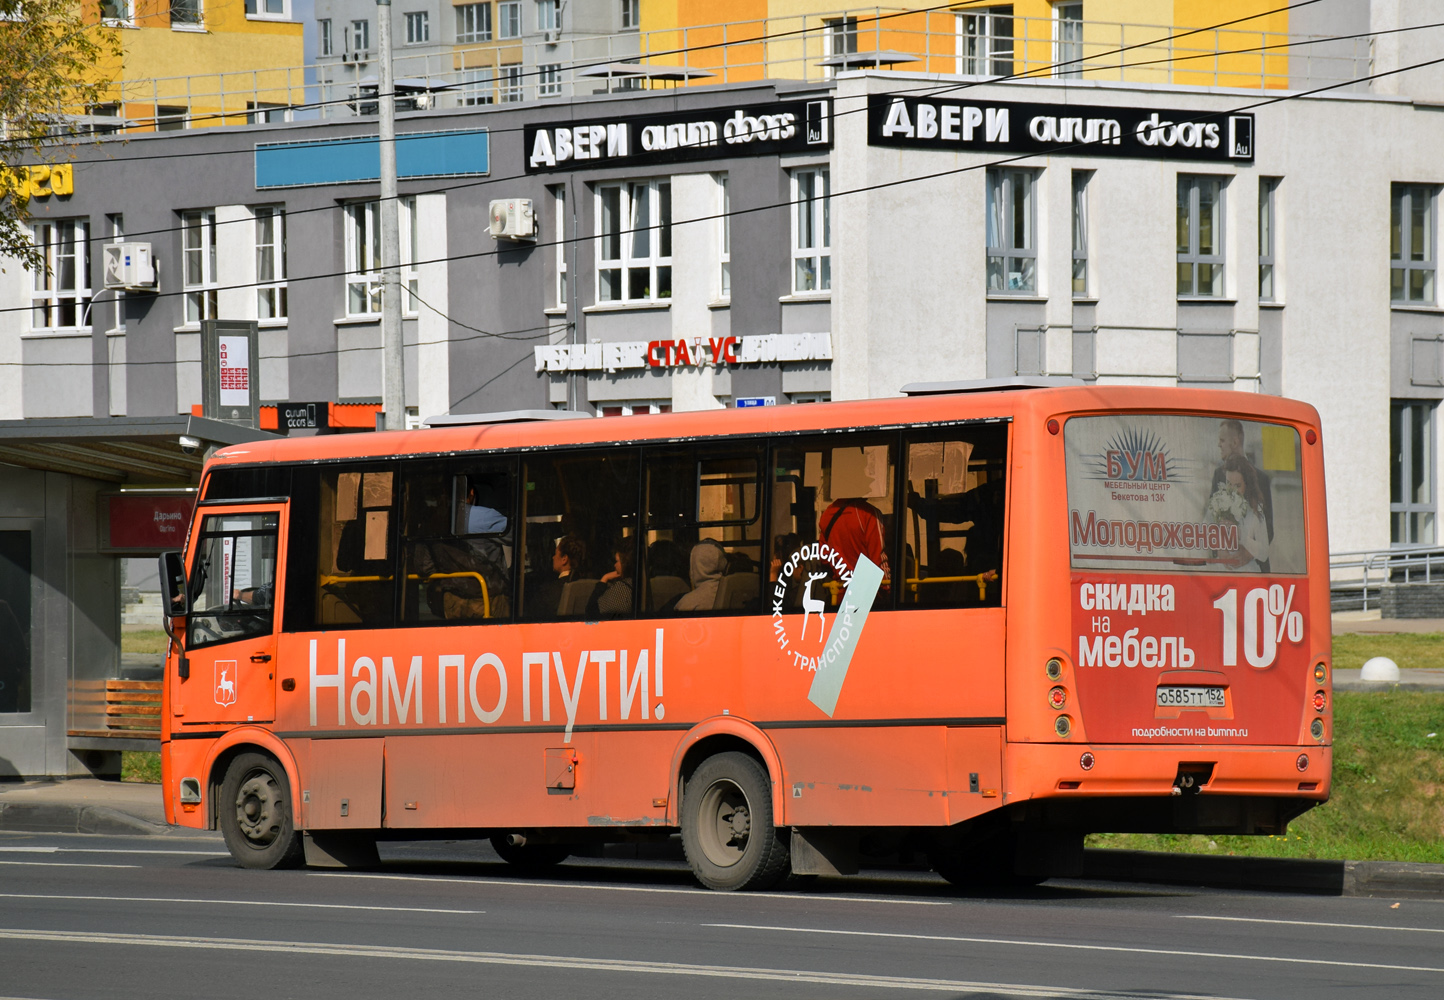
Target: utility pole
column 393, row 357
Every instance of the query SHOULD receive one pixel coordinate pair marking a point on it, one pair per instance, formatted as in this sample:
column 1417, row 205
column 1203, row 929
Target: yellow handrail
column 330, row 581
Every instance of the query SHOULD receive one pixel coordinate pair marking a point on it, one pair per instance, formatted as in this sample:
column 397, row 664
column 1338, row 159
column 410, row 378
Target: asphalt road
column 111, row 917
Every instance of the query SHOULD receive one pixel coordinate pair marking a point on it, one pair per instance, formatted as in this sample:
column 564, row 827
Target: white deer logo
column 813, row 605
column 225, row 688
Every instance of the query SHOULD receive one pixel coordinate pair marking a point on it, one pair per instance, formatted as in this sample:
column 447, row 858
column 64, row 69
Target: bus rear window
column 1163, row 492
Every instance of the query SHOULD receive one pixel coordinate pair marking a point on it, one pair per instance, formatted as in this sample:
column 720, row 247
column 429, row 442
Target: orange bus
column 969, row 625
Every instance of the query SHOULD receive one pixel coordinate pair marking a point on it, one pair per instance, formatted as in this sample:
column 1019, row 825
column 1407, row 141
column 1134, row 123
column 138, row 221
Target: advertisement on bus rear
column 1186, row 538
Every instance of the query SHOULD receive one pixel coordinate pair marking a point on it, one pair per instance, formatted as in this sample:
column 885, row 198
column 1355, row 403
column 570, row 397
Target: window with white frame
column 61, row 290
column 278, row 9
column 633, row 407
column 1080, row 232
column 1200, row 236
column 363, row 256
column 985, row 42
column 1412, row 261
column 117, row 11
column 508, row 17
column 359, row 37
column 418, row 27
column 634, row 241
column 548, row 15
column 724, row 232
column 478, row 86
column 271, row 262
column 1068, row 39
column 115, row 227
column 198, row 243
column 631, row 14
column 1267, row 233
column 841, row 33
column 549, row 79
column 511, row 83
column 1412, row 506
column 1012, row 232
column 185, row 13
column 811, row 231
column 559, row 237
column 473, row 22
column 327, row 45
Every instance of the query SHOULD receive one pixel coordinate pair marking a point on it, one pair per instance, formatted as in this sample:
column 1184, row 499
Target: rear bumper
column 1055, row 770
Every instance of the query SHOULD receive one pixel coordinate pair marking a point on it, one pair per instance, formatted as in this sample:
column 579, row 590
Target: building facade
column 757, row 243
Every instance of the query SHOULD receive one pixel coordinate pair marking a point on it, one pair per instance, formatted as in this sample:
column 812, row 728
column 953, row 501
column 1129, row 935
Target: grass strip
column 1388, row 794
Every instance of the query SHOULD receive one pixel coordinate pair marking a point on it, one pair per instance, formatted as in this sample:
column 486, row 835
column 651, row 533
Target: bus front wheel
column 728, row 831
column 255, row 814
column 529, row 857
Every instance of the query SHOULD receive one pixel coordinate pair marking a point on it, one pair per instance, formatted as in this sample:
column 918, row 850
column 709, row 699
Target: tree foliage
column 49, row 57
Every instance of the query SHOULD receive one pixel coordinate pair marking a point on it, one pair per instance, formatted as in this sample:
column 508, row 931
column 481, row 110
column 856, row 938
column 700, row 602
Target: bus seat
column 735, row 591
column 576, row 595
column 665, row 589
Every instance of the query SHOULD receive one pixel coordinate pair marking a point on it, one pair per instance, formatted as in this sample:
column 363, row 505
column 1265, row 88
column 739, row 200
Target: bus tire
column 530, row 857
column 254, row 811
column 728, row 831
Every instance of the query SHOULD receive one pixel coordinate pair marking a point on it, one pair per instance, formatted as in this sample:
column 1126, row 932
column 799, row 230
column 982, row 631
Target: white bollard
column 1380, row 668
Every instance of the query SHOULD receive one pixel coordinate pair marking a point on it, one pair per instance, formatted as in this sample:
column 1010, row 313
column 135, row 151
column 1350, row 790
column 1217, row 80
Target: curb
column 1303, row 875
column 50, row 817
column 1387, row 686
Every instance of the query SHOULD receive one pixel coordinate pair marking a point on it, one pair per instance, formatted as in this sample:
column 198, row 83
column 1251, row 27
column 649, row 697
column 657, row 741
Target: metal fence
column 1357, row 578
column 807, row 48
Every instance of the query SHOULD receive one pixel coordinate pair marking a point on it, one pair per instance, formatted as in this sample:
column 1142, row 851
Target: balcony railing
column 810, row 48
column 1358, row 577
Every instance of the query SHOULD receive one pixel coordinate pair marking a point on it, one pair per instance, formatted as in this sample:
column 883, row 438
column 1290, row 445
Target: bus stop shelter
column 77, row 495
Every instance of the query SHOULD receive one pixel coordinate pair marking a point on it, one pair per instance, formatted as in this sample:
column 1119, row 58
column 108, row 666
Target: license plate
column 1190, row 696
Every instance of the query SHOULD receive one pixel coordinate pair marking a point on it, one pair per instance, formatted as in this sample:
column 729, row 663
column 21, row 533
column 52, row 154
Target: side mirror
column 173, row 585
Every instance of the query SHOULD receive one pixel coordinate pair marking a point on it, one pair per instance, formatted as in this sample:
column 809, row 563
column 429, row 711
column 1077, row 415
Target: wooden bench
column 132, row 709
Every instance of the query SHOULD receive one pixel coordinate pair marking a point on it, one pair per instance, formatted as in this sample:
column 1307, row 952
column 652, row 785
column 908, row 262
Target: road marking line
column 1315, row 923
column 236, row 902
column 63, row 864
column 29, row 850
column 572, row 963
column 1173, row 953
column 482, row 880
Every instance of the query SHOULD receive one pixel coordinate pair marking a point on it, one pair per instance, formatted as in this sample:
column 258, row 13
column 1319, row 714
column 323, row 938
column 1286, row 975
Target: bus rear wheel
column 728, row 832
column 255, row 814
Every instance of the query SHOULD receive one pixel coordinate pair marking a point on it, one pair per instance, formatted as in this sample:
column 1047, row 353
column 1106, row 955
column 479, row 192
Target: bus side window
column 578, row 509
column 703, row 530
column 832, row 503
column 954, row 518
column 457, row 541
column 355, row 579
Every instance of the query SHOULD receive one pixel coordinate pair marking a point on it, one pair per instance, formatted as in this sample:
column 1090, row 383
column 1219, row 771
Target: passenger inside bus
column 615, row 597
column 708, row 565
column 458, row 544
column 955, row 516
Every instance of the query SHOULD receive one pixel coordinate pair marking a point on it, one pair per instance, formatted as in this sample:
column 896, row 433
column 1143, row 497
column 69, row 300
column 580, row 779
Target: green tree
column 52, row 54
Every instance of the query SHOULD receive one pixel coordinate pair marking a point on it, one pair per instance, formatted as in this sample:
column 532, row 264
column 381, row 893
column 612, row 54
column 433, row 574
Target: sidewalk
column 84, row 805
column 1369, row 623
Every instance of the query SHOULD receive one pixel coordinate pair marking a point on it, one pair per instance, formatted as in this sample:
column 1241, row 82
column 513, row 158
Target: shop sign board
column 144, row 523
column 679, row 137
column 302, row 416
column 696, row 352
column 230, row 390
column 1076, row 129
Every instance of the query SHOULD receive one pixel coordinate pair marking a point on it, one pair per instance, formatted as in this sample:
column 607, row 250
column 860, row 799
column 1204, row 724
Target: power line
column 934, row 90
column 774, row 206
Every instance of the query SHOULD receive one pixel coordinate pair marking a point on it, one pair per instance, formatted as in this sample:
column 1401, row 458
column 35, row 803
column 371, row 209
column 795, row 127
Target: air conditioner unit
column 513, row 219
column 129, row 266
column 551, row 37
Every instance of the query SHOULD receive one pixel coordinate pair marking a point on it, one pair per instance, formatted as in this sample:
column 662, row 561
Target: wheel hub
column 258, row 810
column 726, row 823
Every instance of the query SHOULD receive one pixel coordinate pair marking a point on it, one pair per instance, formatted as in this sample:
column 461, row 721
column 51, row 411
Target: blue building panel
column 357, row 159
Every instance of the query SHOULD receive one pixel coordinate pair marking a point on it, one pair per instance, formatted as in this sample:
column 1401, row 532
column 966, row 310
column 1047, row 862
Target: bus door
column 230, row 639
